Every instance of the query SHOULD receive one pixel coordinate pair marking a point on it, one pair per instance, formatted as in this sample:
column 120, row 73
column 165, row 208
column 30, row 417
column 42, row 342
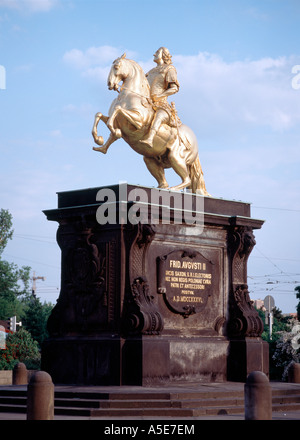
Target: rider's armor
column 159, row 79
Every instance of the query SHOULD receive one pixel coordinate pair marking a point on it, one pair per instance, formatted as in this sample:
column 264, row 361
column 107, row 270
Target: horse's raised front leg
column 99, row 139
column 112, row 138
column 157, row 171
column 110, row 123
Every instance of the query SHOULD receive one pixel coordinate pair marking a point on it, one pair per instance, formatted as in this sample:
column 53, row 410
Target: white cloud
column 97, row 73
column 93, row 56
column 214, row 92
column 29, row 5
column 95, row 62
column 253, row 92
column 246, row 110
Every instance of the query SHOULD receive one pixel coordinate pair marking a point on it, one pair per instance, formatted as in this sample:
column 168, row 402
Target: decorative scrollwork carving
column 145, row 234
column 244, row 319
column 188, row 311
column 142, row 316
column 219, row 324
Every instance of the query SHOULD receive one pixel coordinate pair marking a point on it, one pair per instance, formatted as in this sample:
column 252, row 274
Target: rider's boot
column 160, row 117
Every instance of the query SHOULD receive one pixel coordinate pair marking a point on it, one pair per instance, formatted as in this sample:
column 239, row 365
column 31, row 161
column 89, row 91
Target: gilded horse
column 130, row 116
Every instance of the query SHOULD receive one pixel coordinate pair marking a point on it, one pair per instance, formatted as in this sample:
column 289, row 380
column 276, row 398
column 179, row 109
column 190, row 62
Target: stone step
column 286, row 399
column 116, row 408
column 286, row 407
column 13, row 392
column 143, row 395
column 139, row 404
column 149, row 404
column 147, row 412
column 113, row 396
column 13, row 400
column 166, row 412
column 292, row 393
column 12, row 408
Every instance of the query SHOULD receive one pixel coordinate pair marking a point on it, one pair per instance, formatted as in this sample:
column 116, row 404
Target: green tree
column 16, row 299
column 20, row 347
column 14, row 281
column 35, row 318
column 280, row 324
column 287, row 348
column 6, row 231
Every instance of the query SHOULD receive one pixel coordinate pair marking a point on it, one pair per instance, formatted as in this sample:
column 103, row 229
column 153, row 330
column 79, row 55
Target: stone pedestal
column 157, row 294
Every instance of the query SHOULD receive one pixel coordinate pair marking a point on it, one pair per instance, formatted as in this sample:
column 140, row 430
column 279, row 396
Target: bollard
column 258, row 397
column 40, row 397
column 294, row 373
column 20, row 374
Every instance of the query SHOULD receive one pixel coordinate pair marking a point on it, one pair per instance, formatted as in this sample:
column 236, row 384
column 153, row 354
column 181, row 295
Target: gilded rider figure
column 163, row 83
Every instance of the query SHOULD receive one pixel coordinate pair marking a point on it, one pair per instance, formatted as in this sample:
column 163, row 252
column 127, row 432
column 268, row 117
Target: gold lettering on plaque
column 190, row 281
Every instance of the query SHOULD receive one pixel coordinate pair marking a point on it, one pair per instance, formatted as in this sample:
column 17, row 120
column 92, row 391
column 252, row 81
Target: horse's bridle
column 132, row 91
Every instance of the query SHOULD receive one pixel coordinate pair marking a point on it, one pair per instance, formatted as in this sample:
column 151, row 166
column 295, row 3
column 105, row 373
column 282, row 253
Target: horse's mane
column 137, row 67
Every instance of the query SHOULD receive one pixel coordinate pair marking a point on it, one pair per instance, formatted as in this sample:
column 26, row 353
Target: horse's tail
column 197, row 178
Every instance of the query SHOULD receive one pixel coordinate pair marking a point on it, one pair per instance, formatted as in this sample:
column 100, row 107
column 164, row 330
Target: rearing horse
column 130, row 116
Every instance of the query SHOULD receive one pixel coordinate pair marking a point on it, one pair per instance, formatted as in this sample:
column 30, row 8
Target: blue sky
column 234, row 60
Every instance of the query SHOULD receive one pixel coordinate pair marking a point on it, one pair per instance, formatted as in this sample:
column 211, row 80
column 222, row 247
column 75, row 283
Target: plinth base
column 154, row 289
column 82, row 361
column 142, row 360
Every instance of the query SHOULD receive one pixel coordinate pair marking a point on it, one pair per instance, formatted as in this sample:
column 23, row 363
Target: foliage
column 14, row 281
column 280, row 324
column 10, row 308
column 35, row 318
column 20, row 347
column 16, row 300
column 15, row 294
column 284, row 346
column 6, row 231
column 287, row 349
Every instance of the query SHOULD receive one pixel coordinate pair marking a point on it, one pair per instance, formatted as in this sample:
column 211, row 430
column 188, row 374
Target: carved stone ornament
column 244, row 320
column 142, row 316
column 247, row 320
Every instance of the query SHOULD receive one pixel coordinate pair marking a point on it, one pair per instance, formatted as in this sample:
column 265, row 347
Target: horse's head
column 118, row 72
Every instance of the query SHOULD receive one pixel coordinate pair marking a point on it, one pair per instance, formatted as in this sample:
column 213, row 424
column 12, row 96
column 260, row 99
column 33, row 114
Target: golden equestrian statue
column 142, row 116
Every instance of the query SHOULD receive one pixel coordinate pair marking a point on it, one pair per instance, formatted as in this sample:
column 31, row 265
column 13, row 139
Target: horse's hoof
column 100, row 149
column 183, row 185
